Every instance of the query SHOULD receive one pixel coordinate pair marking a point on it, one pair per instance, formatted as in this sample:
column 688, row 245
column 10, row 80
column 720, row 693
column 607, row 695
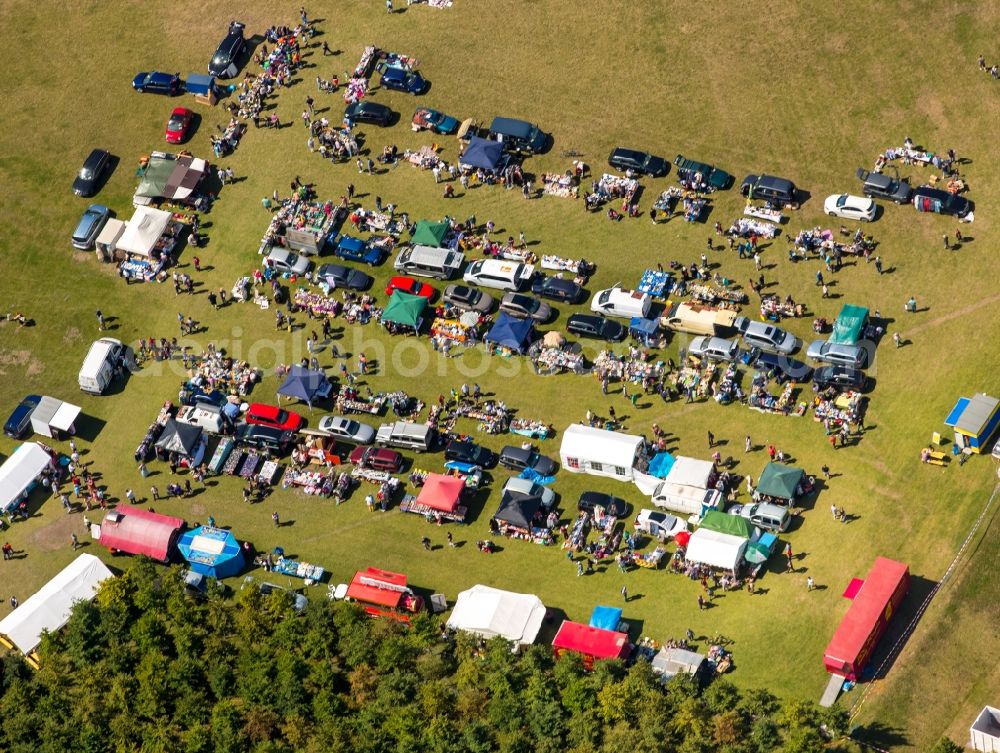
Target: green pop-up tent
column 780, row 481
column 405, row 310
column 430, row 234
column 732, row 525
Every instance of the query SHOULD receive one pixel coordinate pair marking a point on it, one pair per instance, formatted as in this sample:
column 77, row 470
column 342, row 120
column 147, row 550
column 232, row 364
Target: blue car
column 426, row 119
column 157, row 82
column 355, row 249
column 90, row 226
column 20, row 419
column 403, row 81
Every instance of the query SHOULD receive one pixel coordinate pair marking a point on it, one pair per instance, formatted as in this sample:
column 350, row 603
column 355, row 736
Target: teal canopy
column 430, row 234
column 780, row 481
column 405, row 309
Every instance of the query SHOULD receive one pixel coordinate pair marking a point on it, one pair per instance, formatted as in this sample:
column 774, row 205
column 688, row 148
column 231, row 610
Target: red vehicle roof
column 872, row 607
column 138, row 531
column 411, row 286
column 272, row 415
column 441, row 492
column 590, row 641
column 375, row 586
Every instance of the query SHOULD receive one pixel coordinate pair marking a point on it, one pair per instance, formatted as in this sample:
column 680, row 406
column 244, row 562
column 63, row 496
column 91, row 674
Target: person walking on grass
column 74, row 541
column 711, row 440
column 100, row 320
column 276, row 519
column 748, row 445
column 624, row 594
column 426, row 543
column 810, row 583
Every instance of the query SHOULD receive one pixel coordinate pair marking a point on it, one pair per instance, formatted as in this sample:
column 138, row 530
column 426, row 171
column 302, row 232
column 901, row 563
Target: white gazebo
column 599, row 452
column 490, row 612
column 984, row 734
column 143, row 231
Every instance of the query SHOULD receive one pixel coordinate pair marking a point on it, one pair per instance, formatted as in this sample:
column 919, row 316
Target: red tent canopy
column 590, row 641
column 375, row 586
column 136, row 531
column 441, row 492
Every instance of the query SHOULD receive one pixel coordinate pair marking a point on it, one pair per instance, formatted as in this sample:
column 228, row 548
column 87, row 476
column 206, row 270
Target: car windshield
column 842, row 200
column 291, row 260
column 220, row 58
column 86, row 173
column 351, row 427
column 175, row 122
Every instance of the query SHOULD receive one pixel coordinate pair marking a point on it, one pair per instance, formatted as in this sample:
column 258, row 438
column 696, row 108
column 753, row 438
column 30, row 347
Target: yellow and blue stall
column 975, row 420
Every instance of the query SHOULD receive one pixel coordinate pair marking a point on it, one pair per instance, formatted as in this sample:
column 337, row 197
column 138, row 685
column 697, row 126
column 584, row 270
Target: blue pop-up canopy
column 606, row 618
column 661, row 464
column 214, row 552
column 305, row 385
column 482, row 153
column 509, row 332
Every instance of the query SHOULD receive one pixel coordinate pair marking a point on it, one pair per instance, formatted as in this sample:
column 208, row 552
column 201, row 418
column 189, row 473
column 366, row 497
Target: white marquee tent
column 716, row 549
column 143, row 231
column 599, row 452
column 20, row 471
column 49, row 608
column 984, row 734
column 490, row 612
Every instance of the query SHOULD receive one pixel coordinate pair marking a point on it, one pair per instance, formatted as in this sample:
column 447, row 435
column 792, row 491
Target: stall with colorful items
column 763, row 213
column 286, row 566
column 718, row 296
column 581, row 268
column 349, row 400
column 493, row 418
column 438, row 498
column 461, row 331
column 609, row 365
column 522, row 517
column 527, row 427
column 655, row 283
column 837, row 411
column 149, row 243
column 301, row 225
column 772, row 308
column 744, row 227
column 566, row 186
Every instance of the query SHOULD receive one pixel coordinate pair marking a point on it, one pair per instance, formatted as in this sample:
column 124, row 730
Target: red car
column 411, row 286
column 377, row 458
column 273, row 416
column 178, row 125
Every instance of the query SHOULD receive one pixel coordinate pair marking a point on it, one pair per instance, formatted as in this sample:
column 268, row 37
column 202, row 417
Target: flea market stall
column 54, row 418
column 150, row 240
column 186, row 442
column 173, row 178
column 301, row 225
column 214, row 552
column 715, row 549
column 779, row 483
column 404, row 314
column 304, row 384
column 521, row 516
column 510, row 334
column 20, row 473
column 491, row 612
column 133, row 530
column 975, row 420
column 439, row 496
column 384, row 594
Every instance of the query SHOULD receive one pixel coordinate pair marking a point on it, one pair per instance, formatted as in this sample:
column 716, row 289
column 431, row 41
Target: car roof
column 94, row 157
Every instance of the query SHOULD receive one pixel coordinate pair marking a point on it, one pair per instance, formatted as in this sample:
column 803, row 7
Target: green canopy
column 779, row 480
column 430, row 234
column 850, row 322
column 404, row 309
column 721, row 522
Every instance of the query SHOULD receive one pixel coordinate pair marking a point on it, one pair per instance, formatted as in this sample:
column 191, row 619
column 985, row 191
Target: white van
column 621, row 303
column 699, row 319
column 765, row 515
column 686, row 499
column 205, row 415
column 500, row 274
column 404, row 434
column 426, row 261
column 99, row 366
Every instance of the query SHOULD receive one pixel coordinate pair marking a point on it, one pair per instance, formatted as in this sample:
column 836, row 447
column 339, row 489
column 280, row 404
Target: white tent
column 599, row 452
column 20, row 471
column 490, row 612
column 143, row 231
column 674, row 661
column 49, row 608
column 52, row 415
column 716, row 549
column 985, row 732
column 107, row 240
column 691, row 472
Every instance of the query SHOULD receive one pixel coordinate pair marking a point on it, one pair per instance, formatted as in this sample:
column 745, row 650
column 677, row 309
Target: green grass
column 806, row 92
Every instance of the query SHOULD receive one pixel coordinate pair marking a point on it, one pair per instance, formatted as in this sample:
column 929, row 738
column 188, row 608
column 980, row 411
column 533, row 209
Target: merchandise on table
column 655, row 283
column 298, row 569
column 425, row 157
column 708, row 294
column 301, row 225
column 552, row 360
column 764, row 213
column 744, row 227
column 564, row 186
column 614, row 186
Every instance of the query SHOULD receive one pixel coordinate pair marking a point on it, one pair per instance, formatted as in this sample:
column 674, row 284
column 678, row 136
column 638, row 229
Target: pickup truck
column 713, row 176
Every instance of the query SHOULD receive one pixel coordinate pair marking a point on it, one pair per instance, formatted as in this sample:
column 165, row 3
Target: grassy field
column 809, row 93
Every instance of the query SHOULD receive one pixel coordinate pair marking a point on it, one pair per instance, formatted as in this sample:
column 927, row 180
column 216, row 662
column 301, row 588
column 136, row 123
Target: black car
column 368, row 112
column 713, row 176
column 927, row 199
column 557, row 288
column 769, row 188
column 880, row 186
column 89, row 176
column 265, row 438
column 781, row 368
column 225, row 61
column 518, row 458
column 339, row 276
column 612, row 505
column 157, row 82
column 842, row 377
column 643, row 163
column 597, row 327
column 20, row 418
column 404, row 81
column 471, row 453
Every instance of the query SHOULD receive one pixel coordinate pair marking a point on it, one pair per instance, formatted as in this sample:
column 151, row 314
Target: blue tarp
column 661, row 464
column 606, row 618
column 199, row 83
column 211, row 551
column 510, row 333
column 482, row 153
column 534, row 476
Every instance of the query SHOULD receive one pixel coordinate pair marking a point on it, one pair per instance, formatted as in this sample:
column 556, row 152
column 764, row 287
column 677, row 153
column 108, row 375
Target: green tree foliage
column 144, row 667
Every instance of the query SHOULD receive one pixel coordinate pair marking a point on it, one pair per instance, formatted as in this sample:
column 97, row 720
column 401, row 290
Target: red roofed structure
column 866, row 620
column 133, row 530
column 384, row 594
column 441, row 492
column 593, row 643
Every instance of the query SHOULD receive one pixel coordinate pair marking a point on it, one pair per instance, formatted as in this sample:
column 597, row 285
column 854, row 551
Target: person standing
column 711, row 440
column 74, row 541
column 911, row 305
column 810, row 583
column 897, row 339
column 747, row 444
column 878, row 264
column 701, row 601
column 100, row 322
column 426, row 543
column 947, row 246
column 276, row 518
column 451, row 540
column 826, row 472
column 130, row 496
column 13, row 602
column 154, row 493
column 624, row 594
column 388, row 6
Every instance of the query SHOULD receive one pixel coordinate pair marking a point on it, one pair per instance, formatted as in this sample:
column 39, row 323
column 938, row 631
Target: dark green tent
column 732, row 525
column 780, row 481
column 405, row 309
column 430, row 234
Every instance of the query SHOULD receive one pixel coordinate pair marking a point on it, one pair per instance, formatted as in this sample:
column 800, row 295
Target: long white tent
column 20, row 471
column 490, row 612
column 599, row 452
column 716, row 549
column 49, row 608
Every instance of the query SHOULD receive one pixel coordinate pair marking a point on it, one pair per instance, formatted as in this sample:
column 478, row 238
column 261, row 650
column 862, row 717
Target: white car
column 850, row 207
column 347, row 429
column 625, row 304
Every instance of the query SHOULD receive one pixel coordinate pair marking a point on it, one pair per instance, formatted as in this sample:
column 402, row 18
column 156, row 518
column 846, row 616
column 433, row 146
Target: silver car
column 837, row 353
column 285, row 261
column 525, row 307
column 530, row 489
column 468, row 299
column 714, row 348
column 765, row 336
column 347, row 430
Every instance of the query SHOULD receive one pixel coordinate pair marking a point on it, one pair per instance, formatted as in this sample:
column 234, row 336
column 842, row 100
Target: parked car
column 843, row 377
column 285, row 261
column 497, row 273
column 411, row 286
column 850, row 207
column 471, row 453
column 881, row 186
column 525, row 307
column 178, row 125
column 376, row 458
column 557, row 288
column 468, row 299
column 263, row 414
column 401, row 80
column 225, row 61
column 596, row 327
column 339, row 276
column 927, row 199
column 518, row 136
column 525, row 488
column 264, row 439
column 765, row 336
column 778, row 191
column 426, row 119
column 517, row 459
column 347, row 429
column 157, row 82
column 764, row 515
column 782, row 368
column 714, row 348
column 201, row 586
column 355, row 249
column 713, row 176
column 642, row 163
column 837, row 353
column 89, row 226
column 297, row 600
column 367, row 111
column 612, row 505
column 626, row 304
column 86, row 181
column 20, row 418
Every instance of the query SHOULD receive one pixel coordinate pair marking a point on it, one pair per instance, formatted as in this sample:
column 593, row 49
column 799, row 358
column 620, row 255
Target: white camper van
column 686, row 499
column 99, row 365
